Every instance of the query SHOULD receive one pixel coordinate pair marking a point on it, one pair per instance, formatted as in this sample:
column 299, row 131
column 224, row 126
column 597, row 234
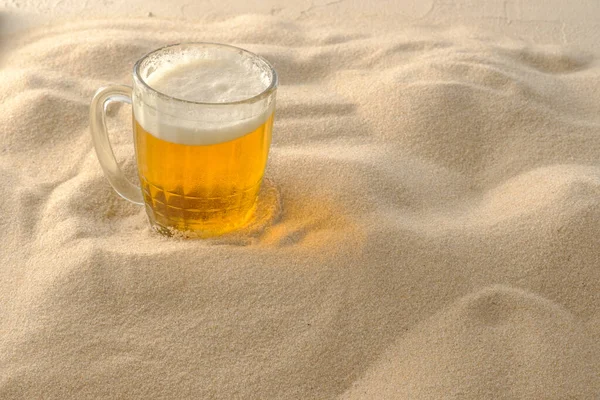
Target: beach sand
column 429, row 229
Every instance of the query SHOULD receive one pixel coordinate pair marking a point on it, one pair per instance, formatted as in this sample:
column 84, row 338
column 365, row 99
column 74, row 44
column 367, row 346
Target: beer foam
column 209, row 80
column 214, row 81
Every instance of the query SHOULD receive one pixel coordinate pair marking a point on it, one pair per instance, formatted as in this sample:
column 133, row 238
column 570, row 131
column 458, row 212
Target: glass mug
column 202, row 117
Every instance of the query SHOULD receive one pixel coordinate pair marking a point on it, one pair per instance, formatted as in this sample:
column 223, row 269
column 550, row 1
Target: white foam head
column 206, row 81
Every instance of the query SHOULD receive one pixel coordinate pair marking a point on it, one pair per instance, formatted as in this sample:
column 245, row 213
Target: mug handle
column 117, row 179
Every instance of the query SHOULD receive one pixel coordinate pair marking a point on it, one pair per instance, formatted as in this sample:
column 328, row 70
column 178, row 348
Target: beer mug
column 202, row 120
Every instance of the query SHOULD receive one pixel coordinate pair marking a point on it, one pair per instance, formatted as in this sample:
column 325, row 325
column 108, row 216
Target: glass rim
column 266, row 92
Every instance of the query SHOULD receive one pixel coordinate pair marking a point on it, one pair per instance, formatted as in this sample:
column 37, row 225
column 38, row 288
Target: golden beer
column 210, row 188
column 202, row 117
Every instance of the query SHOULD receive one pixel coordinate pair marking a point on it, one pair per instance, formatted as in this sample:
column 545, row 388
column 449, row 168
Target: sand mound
column 500, row 342
column 437, row 236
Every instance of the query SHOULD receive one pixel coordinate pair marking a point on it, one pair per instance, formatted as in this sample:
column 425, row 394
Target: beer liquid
column 207, row 188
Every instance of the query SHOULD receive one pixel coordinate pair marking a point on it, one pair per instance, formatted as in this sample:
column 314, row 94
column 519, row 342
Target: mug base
column 190, row 228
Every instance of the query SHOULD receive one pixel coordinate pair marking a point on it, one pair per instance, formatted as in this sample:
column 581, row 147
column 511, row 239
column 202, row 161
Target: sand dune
column 500, row 342
column 429, row 228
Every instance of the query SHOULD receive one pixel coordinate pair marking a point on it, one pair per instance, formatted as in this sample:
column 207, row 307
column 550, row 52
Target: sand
column 429, row 230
